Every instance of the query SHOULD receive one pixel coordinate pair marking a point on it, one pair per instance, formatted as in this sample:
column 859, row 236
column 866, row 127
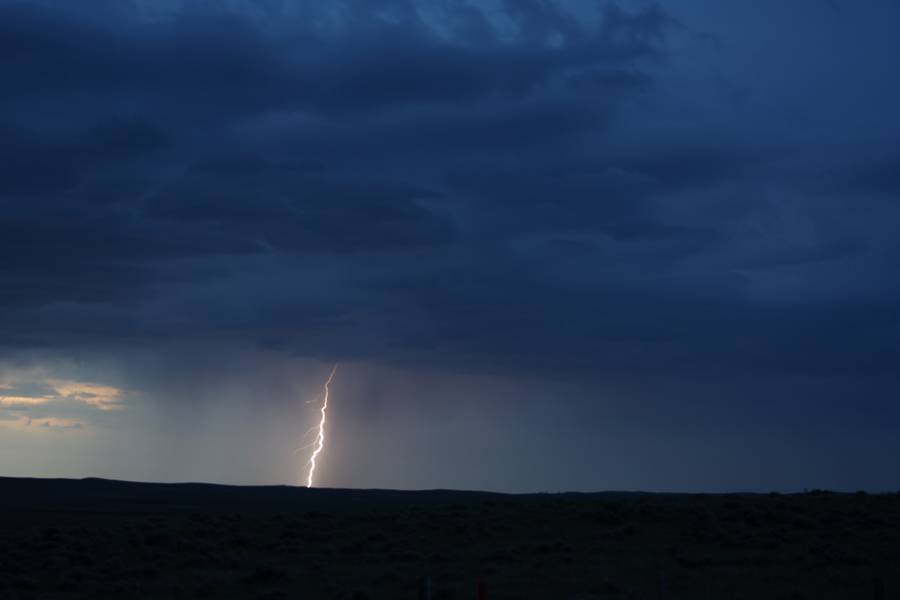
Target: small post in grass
column 878, row 588
column 482, row 590
column 424, row 588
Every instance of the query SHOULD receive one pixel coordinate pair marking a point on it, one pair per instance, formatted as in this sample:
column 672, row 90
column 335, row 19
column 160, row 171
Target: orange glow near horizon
column 21, row 401
column 55, row 402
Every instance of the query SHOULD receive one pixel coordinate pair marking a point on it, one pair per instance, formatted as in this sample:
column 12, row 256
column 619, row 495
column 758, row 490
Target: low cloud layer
column 32, row 399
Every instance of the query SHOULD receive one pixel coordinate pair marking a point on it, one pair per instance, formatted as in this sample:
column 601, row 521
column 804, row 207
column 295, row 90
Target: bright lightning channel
column 320, row 438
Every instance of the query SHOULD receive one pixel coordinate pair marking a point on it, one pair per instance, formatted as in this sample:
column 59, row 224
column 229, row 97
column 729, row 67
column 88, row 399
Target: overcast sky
column 552, row 244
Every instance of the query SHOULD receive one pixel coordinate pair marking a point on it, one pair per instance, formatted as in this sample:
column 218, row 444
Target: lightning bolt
column 320, row 438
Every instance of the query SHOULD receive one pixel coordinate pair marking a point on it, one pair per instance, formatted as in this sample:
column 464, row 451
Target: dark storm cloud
column 516, row 184
column 362, row 63
column 879, row 176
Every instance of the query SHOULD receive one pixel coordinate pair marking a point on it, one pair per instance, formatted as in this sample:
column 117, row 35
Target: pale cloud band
column 33, row 400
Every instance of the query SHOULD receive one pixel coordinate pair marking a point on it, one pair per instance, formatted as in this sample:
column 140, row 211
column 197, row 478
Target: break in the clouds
column 567, row 189
column 34, row 400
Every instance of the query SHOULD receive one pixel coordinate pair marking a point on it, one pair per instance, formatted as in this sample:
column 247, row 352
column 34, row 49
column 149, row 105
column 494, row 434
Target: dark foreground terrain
column 108, row 539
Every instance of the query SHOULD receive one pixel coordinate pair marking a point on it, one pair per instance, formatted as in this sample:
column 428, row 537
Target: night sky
column 554, row 245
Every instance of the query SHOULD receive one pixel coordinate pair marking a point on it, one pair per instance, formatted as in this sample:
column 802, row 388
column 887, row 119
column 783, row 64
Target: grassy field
column 103, row 539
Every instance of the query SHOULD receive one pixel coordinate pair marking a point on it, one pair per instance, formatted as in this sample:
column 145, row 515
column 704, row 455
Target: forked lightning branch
column 319, row 443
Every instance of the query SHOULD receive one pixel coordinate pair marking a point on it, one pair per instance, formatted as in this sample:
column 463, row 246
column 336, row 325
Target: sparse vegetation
column 337, row 545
